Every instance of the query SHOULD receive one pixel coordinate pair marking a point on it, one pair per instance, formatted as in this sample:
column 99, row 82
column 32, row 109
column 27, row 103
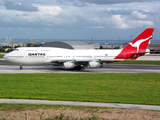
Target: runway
column 8, row 67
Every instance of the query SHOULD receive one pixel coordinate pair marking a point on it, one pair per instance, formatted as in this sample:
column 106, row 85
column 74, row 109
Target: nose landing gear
column 21, row 68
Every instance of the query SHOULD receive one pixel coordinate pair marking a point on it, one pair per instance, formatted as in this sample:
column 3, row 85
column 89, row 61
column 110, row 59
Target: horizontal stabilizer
column 139, row 53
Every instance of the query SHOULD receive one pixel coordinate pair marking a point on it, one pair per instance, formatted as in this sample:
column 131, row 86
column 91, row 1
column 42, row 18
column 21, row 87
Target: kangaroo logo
column 138, row 43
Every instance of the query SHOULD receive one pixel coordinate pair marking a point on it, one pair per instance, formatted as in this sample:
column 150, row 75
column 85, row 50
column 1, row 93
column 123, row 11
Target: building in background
column 31, row 41
column 154, row 48
column 13, row 45
column 22, row 44
column 69, row 45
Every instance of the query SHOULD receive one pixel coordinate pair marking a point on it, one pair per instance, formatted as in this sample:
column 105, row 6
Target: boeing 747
column 79, row 59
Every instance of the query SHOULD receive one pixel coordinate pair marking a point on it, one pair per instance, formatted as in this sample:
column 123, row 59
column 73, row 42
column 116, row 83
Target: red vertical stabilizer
column 137, row 47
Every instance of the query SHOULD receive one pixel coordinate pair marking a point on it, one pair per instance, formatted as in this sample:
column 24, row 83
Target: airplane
column 79, row 59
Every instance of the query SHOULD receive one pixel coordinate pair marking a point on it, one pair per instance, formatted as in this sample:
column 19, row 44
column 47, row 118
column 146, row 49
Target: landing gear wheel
column 82, row 68
column 79, row 67
column 21, row 68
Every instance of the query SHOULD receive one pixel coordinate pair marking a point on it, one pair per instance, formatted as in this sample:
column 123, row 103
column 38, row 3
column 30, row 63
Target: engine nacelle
column 94, row 64
column 147, row 52
column 68, row 65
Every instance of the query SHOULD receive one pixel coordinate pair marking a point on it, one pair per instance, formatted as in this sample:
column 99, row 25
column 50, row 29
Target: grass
column 153, row 55
column 1, row 56
column 138, row 62
column 114, row 88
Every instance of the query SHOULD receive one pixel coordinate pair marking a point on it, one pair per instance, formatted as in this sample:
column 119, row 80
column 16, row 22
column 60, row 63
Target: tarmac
column 112, row 68
column 150, row 58
column 8, row 67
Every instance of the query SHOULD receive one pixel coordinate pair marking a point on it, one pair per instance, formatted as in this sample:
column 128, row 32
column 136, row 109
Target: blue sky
column 78, row 19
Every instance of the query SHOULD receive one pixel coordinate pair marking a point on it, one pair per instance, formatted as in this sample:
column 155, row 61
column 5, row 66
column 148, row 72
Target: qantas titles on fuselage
column 69, row 58
column 36, row 54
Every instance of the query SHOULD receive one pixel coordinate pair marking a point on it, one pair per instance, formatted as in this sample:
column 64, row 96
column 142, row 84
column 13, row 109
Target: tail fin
column 137, row 47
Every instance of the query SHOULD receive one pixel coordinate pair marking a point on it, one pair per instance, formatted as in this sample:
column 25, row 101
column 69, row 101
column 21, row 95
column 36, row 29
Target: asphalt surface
column 8, row 67
column 72, row 103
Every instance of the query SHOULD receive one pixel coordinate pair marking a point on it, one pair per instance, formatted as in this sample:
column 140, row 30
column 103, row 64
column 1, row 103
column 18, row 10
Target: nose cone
column 13, row 56
column 4, row 56
column 7, row 56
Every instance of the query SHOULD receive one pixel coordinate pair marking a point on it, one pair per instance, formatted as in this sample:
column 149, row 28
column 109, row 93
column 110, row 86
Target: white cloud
column 144, row 23
column 77, row 14
column 50, row 10
column 116, row 20
column 115, row 15
column 7, row 20
column 137, row 15
column 102, row 2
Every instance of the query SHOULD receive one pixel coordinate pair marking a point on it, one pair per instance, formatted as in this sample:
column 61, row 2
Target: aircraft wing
column 99, row 60
column 86, row 60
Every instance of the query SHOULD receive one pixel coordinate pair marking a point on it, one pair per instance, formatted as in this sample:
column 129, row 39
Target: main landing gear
column 79, row 67
column 21, row 68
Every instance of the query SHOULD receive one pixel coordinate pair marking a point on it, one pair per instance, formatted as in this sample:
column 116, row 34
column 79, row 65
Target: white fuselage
column 48, row 55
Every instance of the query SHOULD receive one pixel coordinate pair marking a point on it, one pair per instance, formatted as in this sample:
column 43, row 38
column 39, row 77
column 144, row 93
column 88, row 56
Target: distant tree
column 117, row 47
column 17, row 46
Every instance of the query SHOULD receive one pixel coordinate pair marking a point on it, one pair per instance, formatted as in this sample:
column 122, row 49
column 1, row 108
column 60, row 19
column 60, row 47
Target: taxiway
column 8, row 67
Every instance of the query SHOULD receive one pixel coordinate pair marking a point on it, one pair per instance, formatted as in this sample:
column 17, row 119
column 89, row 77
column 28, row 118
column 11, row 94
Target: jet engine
column 68, row 65
column 94, row 64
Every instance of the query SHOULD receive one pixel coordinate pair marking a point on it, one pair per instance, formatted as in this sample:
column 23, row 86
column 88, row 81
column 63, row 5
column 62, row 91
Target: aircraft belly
column 31, row 60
